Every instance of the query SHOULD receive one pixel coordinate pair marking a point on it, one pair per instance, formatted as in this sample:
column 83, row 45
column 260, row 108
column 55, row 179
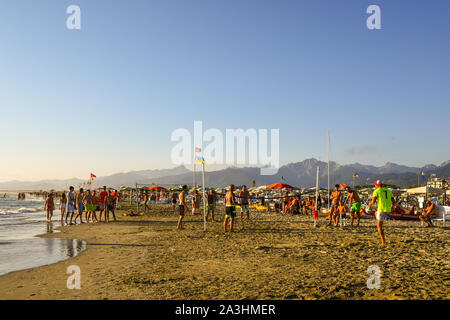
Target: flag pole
column 316, row 214
column 328, row 190
column 204, row 196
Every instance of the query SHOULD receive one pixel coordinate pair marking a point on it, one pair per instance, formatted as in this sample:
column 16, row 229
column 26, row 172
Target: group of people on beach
column 74, row 204
column 211, row 199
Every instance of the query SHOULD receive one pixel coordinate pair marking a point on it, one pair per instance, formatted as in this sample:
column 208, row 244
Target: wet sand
column 271, row 257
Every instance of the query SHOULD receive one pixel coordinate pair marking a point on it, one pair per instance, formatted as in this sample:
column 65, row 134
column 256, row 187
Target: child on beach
column 49, row 206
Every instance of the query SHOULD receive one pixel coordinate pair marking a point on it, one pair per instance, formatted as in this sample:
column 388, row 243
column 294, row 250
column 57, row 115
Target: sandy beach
column 271, row 257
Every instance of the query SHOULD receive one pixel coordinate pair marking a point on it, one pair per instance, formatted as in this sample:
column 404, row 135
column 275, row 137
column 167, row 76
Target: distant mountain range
column 299, row 174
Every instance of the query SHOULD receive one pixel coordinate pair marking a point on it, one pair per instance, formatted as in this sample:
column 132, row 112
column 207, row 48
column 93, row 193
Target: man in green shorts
column 385, row 200
column 355, row 201
column 210, row 204
column 230, row 208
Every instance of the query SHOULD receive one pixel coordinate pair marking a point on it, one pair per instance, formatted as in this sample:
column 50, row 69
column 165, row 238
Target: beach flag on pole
column 93, row 176
column 199, row 160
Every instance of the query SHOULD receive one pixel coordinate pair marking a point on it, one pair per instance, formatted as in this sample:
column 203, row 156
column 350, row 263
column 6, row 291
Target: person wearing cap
column 430, row 212
column 385, row 200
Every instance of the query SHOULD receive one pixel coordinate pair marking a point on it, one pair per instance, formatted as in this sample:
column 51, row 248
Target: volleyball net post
column 316, row 213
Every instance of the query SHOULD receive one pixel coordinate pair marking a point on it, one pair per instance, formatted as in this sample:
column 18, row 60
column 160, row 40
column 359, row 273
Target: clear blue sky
column 106, row 98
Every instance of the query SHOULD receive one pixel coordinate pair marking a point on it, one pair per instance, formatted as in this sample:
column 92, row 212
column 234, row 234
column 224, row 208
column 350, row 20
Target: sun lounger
column 443, row 214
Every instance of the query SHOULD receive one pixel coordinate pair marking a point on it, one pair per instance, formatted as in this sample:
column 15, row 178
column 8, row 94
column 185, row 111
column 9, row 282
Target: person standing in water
column 62, row 206
column 385, row 200
column 230, row 209
column 181, row 207
column 79, row 205
column 70, row 204
column 49, row 206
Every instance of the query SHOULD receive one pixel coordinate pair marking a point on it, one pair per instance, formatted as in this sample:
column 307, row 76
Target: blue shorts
column 244, row 208
column 80, row 208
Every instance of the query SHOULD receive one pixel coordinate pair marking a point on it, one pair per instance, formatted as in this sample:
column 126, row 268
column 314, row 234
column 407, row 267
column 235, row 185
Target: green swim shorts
column 90, row 207
column 209, row 207
column 230, row 212
column 356, row 207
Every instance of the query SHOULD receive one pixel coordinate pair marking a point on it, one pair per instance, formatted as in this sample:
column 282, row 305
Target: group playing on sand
column 211, row 199
column 382, row 196
column 74, row 204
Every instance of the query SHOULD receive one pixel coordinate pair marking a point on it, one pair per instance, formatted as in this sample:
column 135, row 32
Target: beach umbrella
column 157, row 188
column 280, row 186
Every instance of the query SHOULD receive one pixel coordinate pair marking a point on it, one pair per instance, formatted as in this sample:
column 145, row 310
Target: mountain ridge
column 301, row 173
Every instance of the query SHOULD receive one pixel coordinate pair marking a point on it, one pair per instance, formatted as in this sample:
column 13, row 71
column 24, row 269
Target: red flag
column 93, row 175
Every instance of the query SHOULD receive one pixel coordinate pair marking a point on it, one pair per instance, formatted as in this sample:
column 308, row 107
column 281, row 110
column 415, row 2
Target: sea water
column 20, row 222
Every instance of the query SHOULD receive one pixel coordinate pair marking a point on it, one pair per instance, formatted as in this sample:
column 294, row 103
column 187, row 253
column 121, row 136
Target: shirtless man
column 110, row 200
column 230, row 208
column 95, row 203
column 88, row 207
column 335, row 200
column 355, row 201
column 210, row 204
column 244, row 195
column 181, row 207
column 70, row 204
column 146, row 200
column 430, row 212
column 79, row 205
column 174, row 200
column 195, row 203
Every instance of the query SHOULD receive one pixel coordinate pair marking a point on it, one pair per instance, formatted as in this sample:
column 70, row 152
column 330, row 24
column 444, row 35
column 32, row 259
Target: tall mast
column 328, row 194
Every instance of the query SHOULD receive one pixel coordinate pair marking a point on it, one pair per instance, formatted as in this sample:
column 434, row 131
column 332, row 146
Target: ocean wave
column 20, row 210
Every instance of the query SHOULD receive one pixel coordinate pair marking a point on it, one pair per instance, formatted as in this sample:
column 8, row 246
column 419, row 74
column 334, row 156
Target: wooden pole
column 204, row 196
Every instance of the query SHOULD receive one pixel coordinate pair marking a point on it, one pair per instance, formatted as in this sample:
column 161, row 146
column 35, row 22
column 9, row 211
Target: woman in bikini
column 49, row 206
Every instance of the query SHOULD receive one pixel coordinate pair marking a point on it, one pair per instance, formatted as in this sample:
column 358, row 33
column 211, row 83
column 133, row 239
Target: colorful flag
column 199, row 160
column 93, row 175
